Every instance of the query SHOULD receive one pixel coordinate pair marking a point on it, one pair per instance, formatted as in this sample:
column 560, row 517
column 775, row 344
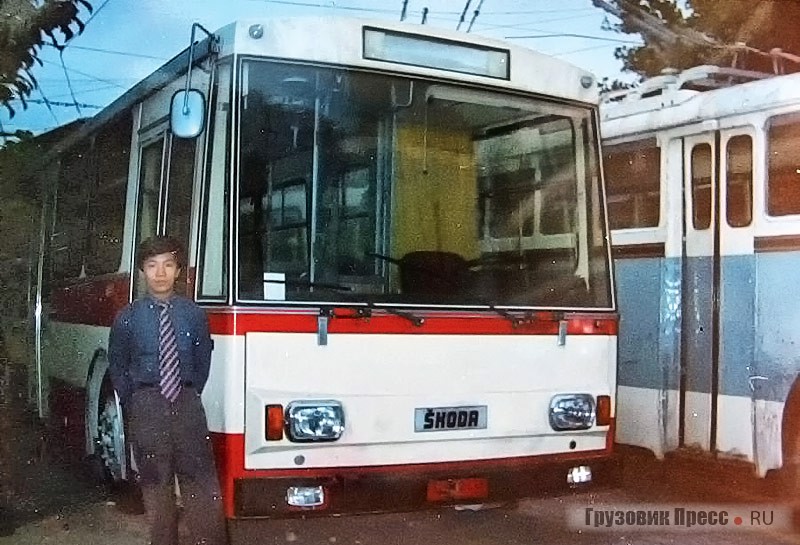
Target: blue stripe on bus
column 760, row 323
column 737, row 316
column 777, row 326
column 697, row 318
column 639, row 284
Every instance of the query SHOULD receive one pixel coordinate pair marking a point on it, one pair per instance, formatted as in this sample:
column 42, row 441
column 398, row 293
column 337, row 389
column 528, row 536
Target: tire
column 111, row 464
column 788, row 476
column 110, row 456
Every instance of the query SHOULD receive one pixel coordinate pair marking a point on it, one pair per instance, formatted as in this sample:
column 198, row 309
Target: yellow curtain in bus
column 436, row 192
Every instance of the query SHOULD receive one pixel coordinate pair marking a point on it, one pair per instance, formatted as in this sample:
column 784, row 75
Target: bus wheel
column 789, row 475
column 110, row 438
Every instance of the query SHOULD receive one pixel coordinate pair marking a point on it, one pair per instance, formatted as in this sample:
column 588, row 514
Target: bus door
column 718, row 293
column 700, row 271
column 735, row 406
column 164, row 202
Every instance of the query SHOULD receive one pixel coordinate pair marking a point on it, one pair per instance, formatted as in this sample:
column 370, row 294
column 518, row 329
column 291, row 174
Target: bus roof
column 674, row 101
column 339, row 41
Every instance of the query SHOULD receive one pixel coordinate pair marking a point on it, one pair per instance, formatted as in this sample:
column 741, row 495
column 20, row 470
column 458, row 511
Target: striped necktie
column 168, row 355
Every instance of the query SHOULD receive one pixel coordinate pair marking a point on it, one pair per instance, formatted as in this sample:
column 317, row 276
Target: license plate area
column 450, row 418
column 475, row 488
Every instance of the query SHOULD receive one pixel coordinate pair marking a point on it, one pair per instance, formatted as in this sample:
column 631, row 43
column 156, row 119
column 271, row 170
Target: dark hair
column 159, row 245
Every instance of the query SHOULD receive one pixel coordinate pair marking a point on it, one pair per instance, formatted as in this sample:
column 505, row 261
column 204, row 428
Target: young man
column 159, row 354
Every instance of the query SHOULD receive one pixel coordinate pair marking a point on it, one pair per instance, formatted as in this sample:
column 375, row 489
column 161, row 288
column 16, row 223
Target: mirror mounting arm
column 213, row 45
column 187, row 108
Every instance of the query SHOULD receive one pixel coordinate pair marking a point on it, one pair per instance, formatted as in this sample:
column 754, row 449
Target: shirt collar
column 154, row 301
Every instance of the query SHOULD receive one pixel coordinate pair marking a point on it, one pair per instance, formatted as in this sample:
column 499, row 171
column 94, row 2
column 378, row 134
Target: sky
column 126, row 40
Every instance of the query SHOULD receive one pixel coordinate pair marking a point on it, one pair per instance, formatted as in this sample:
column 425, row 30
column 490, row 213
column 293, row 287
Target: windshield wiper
column 416, row 320
column 450, row 277
column 515, row 320
column 364, row 312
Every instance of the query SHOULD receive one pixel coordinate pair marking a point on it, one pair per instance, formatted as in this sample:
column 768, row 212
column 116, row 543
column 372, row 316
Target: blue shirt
column 134, row 339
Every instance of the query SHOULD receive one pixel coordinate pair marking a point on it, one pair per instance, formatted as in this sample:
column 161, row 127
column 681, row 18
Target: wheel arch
column 790, row 427
column 95, row 378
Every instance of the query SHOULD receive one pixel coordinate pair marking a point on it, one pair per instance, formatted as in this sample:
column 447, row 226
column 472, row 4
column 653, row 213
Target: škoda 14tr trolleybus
column 399, row 236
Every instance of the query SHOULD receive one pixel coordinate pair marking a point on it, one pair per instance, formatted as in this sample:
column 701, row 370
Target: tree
column 25, row 27
column 740, row 33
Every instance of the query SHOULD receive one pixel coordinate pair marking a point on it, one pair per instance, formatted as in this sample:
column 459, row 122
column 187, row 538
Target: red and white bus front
column 407, row 276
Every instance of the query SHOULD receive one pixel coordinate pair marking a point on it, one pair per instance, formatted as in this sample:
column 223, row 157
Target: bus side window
column 181, row 182
column 702, row 172
column 212, row 263
column 107, row 203
column 739, row 176
column 783, row 189
column 150, row 169
column 179, row 196
column 633, row 182
column 68, row 240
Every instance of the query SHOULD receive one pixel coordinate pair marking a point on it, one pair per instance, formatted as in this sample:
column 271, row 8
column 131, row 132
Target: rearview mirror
column 187, row 113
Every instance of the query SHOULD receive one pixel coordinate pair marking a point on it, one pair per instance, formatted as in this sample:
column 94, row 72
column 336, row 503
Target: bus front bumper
column 357, row 490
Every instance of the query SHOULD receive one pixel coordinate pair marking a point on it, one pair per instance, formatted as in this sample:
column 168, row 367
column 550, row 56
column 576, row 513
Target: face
column 161, row 271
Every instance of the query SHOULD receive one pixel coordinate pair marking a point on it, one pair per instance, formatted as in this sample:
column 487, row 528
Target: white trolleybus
column 399, row 236
column 703, row 175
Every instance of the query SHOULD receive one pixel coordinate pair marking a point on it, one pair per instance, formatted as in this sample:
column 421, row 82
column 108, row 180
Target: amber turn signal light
column 603, row 410
column 274, row 431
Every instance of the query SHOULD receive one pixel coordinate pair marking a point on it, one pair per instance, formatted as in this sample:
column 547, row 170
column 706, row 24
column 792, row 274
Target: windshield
column 359, row 187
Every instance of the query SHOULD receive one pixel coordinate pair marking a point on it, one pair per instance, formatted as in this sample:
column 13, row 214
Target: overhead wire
column 86, row 91
column 391, row 11
column 113, row 52
column 573, row 13
column 94, row 14
column 537, row 11
column 526, row 26
column 64, row 64
column 317, row 5
column 572, row 35
column 582, row 49
column 657, row 30
column 90, row 76
column 66, row 104
column 46, row 103
column 69, row 83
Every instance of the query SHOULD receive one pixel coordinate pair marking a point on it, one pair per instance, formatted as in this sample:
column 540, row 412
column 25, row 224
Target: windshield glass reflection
column 363, row 187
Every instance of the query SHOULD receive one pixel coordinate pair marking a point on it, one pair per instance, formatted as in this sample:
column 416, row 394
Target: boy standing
column 159, row 354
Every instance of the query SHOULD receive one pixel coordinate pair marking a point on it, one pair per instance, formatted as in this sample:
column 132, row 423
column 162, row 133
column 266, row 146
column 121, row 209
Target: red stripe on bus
column 229, row 451
column 92, row 302
column 542, row 323
column 98, row 300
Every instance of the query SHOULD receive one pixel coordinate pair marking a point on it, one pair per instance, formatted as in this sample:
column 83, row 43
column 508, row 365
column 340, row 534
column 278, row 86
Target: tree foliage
column 25, row 27
column 679, row 35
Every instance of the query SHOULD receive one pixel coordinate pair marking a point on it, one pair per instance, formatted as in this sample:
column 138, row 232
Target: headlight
column 572, row 412
column 314, row 420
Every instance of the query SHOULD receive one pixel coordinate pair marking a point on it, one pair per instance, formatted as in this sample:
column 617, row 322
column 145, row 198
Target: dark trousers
column 169, row 440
